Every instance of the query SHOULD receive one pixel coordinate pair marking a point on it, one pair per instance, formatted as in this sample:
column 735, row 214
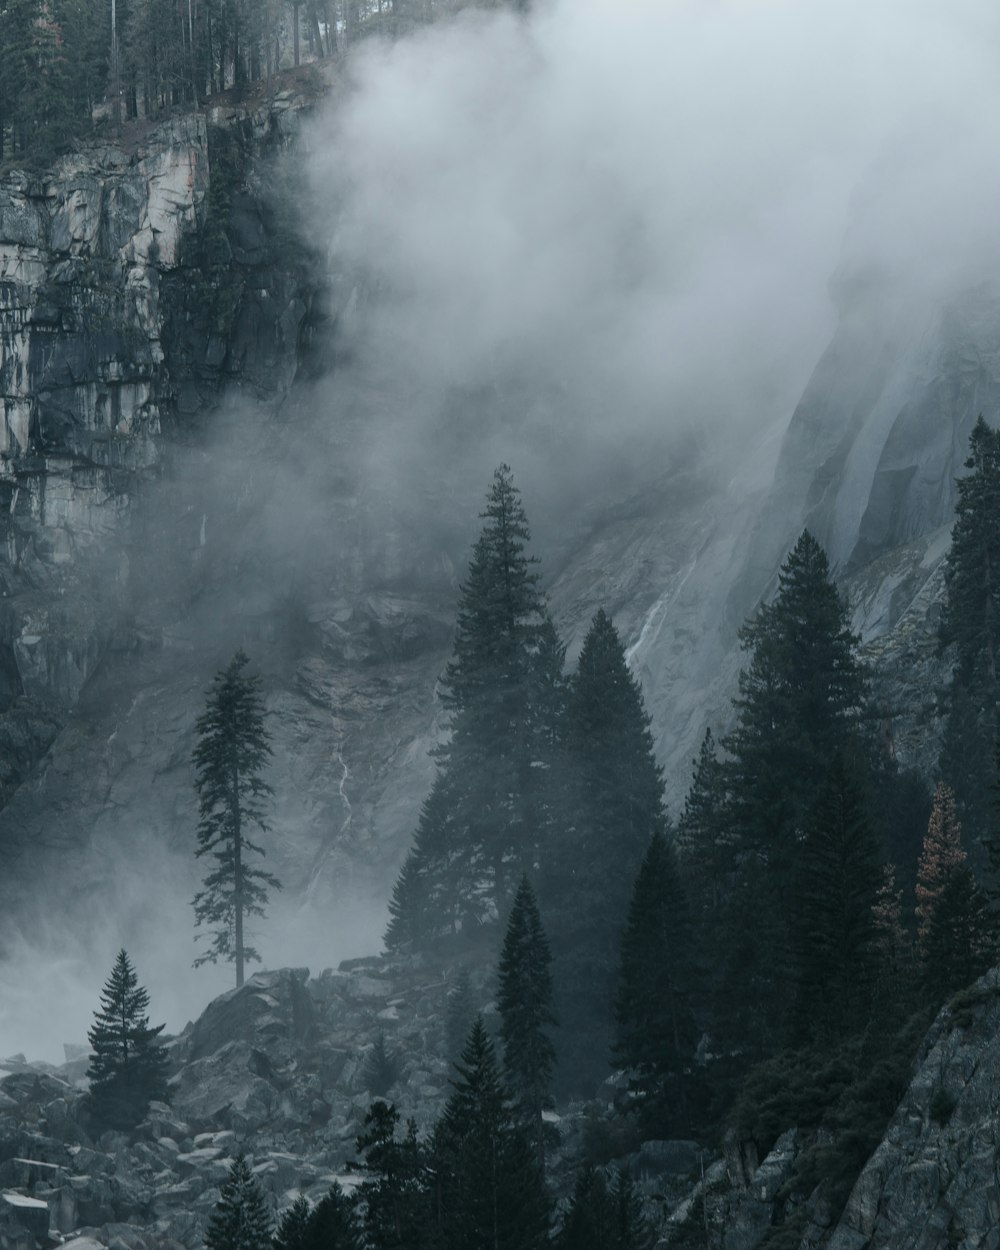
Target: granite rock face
column 933, row 1179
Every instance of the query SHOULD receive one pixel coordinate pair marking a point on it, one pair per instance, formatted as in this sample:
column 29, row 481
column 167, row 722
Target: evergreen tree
column 381, row 1070
column 954, row 935
column 241, row 1219
column 893, row 952
column 525, row 1001
column 460, row 1016
column 802, row 699
column 488, row 1192
column 293, row 1227
column 655, row 1027
column 615, row 807
column 603, row 1216
column 480, row 825
column 232, row 749
column 333, row 1224
column 837, row 884
column 704, row 840
column 971, row 622
column 394, row 1195
column 128, row 1067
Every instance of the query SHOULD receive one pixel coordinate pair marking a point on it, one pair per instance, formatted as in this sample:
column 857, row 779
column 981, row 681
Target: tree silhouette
column 128, row 1067
column 232, row 749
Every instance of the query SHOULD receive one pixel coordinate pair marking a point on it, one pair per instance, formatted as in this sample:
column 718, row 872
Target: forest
column 72, row 69
column 773, row 956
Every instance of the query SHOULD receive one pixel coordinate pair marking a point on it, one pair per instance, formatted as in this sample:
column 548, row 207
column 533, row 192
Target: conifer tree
column 802, row 698
column 704, row 840
column 971, row 622
column 394, row 1195
column 232, row 749
column 837, row 879
column 655, row 1028
column 480, row 825
column 603, row 1216
column 128, row 1067
column 241, row 1219
column 381, row 1070
column 615, row 808
column 333, row 1224
column 893, row 951
column 460, row 1015
column 524, row 998
column 954, row 934
column 487, row 1188
column 293, row 1227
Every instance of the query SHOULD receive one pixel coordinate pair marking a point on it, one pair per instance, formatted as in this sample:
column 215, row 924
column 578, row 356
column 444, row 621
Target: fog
column 589, row 243
column 635, row 207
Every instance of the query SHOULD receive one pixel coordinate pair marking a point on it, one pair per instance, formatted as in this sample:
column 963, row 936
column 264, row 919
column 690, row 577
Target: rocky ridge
column 277, row 1069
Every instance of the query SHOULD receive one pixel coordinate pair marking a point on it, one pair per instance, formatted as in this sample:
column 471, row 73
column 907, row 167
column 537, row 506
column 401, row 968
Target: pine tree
column 293, row 1227
column 603, row 1216
column 381, row 1069
column 524, row 998
column 394, row 1195
column 971, row 622
column 460, row 1015
column 241, row 1220
column 655, row 1028
column 487, row 1188
column 837, row 879
column 333, row 1224
column 128, row 1067
column 232, row 749
column 893, row 952
column 954, row 938
column 802, row 699
column 704, row 840
column 480, row 825
column 615, row 807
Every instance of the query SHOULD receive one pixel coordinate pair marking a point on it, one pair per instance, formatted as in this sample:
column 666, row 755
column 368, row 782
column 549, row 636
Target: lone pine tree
column 232, row 749
column 128, row 1067
column 971, row 622
column 479, row 825
column 524, row 997
column 241, row 1219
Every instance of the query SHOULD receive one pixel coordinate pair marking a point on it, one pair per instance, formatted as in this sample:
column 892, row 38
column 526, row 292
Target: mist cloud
column 640, row 204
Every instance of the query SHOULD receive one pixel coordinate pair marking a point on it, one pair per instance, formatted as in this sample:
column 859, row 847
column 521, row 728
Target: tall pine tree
column 971, row 622
column 232, row 749
column 614, row 806
column 479, row 828
column 802, row 699
column 655, row 1036
column 836, row 886
column 524, row 997
column 954, row 934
